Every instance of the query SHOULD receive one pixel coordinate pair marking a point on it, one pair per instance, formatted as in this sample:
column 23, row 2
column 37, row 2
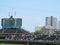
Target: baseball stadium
column 11, row 32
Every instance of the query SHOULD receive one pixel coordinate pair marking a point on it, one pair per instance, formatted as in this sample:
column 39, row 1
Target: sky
column 32, row 12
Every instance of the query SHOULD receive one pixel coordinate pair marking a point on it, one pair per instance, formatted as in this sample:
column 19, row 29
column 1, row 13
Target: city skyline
column 51, row 21
column 32, row 12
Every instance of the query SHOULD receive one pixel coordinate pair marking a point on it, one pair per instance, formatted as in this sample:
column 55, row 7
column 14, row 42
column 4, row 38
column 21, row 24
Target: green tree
column 38, row 32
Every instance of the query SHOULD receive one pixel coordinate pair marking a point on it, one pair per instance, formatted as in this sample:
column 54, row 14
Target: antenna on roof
column 15, row 13
column 12, row 12
column 9, row 14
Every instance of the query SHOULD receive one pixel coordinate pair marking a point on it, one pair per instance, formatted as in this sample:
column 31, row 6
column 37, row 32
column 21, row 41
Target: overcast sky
column 32, row 12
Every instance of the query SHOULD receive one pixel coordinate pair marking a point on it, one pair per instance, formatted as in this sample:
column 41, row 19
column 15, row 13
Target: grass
column 9, row 44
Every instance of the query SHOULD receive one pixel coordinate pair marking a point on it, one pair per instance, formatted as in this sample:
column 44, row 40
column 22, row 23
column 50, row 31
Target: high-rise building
column 51, row 21
column 11, row 22
column 59, row 25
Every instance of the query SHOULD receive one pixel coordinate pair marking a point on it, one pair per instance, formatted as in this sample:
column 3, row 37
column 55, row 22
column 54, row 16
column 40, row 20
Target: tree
column 38, row 32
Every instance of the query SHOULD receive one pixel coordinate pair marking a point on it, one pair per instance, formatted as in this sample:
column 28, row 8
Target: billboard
column 11, row 22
